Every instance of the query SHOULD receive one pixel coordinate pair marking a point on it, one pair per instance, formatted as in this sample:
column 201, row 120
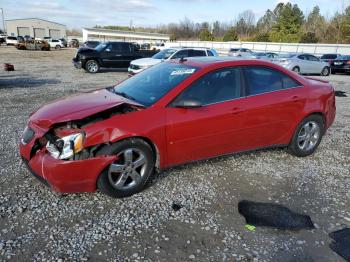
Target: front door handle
column 237, row 110
column 295, row 98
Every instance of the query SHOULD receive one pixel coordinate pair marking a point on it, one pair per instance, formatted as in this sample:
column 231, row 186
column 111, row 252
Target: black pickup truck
column 110, row 55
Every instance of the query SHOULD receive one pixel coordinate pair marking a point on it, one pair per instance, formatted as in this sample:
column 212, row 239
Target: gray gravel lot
column 37, row 224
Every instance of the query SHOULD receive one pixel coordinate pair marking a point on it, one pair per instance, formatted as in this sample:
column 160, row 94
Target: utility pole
column 3, row 20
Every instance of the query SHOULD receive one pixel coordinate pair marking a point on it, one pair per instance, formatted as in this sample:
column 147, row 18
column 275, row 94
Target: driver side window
column 214, row 87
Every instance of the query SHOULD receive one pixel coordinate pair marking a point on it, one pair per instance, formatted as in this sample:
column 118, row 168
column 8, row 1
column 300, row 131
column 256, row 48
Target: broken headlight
column 66, row 147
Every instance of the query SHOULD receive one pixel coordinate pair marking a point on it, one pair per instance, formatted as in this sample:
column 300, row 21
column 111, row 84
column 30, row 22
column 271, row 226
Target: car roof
column 205, row 61
column 177, row 48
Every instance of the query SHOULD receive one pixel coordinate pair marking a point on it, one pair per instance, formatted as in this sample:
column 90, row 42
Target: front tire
column 57, row 47
column 92, row 66
column 128, row 175
column 325, row 71
column 307, row 136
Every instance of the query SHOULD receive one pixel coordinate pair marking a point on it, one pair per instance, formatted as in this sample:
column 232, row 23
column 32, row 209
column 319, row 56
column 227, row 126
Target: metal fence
column 223, row 47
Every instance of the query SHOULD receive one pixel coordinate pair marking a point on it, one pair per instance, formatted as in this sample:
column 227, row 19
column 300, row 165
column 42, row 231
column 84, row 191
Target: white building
column 35, row 27
column 107, row 34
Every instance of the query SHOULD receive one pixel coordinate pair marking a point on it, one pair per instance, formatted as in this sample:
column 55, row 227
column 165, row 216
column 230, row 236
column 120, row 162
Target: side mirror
column 187, row 103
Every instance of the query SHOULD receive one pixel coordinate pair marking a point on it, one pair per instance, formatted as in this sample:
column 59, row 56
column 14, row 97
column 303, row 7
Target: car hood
column 76, row 107
column 146, row 61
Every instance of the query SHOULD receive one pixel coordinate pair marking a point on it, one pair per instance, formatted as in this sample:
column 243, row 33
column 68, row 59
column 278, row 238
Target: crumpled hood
column 146, row 62
column 75, row 107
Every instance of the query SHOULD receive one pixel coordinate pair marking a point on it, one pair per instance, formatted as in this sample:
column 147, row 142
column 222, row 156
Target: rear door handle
column 237, row 110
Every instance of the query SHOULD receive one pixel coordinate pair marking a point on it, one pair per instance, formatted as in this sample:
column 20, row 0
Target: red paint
column 179, row 135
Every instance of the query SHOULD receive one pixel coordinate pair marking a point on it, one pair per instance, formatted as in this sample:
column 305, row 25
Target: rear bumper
column 340, row 68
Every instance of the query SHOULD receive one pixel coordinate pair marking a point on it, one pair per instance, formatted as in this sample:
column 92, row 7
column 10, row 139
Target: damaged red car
column 175, row 112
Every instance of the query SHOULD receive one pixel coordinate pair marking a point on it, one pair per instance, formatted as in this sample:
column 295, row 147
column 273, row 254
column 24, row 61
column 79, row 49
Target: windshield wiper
column 123, row 94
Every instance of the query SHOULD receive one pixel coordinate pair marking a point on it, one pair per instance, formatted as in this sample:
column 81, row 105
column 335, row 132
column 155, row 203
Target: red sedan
column 176, row 112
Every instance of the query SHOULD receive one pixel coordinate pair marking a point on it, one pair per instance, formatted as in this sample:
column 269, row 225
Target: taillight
column 348, row 62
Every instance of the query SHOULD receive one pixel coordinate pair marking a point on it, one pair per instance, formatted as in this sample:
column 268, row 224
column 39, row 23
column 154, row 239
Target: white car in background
column 158, row 46
column 243, row 52
column 55, row 43
column 11, row 40
column 139, row 65
column 304, row 64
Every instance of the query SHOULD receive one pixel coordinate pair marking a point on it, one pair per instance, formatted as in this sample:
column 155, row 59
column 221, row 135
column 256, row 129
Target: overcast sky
column 87, row 13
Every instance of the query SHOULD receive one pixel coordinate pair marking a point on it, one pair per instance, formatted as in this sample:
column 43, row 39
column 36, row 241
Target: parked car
column 173, row 113
column 244, row 52
column 2, row 38
column 145, row 46
column 91, row 44
column 329, row 58
column 341, row 65
column 264, row 55
column 139, row 65
column 74, row 43
column 109, row 55
column 64, row 42
column 11, row 40
column 55, row 43
column 33, row 45
column 304, row 64
column 158, row 47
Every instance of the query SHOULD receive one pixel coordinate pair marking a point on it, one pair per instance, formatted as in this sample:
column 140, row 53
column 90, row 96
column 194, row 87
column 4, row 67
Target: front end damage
column 59, row 156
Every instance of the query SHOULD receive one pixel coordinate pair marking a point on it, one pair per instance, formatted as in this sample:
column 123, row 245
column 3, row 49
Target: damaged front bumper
column 63, row 176
column 77, row 63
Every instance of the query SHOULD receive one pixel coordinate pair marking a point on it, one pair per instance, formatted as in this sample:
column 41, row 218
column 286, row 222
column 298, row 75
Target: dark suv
column 110, row 55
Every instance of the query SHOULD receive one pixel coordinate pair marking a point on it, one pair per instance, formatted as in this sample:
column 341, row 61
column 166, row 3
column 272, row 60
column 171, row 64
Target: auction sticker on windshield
column 183, row 72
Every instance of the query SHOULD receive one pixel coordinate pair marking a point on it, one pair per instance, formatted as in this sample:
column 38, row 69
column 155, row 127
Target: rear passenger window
column 192, row 53
column 264, row 80
column 218, row 86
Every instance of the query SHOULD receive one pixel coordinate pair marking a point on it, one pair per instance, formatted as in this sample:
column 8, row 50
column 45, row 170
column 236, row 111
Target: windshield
column 149, row 86
column 287, row 55
column 164, row 54
column 100, row 47
column 234, row 49
column 259, row 54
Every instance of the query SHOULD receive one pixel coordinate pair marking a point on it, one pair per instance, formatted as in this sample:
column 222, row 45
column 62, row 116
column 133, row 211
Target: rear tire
column 296, row 69
column 57, row 47
column 307, row 136
column 128, row 175
column 92, row 66
column 325, row 71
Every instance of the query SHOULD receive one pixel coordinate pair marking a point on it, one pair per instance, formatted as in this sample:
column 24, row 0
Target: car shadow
column 17, row 81
column 108, row 70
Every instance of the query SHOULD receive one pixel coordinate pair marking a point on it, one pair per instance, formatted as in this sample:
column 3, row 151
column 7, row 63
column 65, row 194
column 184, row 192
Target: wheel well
column 321, row 115
column 145, row 139
column 154, row 149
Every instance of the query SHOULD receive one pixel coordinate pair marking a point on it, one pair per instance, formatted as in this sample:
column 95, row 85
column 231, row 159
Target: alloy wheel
column 127, row 172
column 92, row 67
column 309, row 135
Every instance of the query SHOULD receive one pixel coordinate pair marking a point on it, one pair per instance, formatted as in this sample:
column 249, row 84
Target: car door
column 273, row 105
column 111, row 56
column 304, row 64
column 315, row 64
column 212, row 129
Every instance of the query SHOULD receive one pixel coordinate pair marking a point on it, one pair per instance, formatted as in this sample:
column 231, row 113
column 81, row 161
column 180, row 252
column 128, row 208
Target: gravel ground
column 37, row 224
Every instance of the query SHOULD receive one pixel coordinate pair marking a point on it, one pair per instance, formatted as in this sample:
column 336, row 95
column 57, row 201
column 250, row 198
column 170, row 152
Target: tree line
column 285, row 23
